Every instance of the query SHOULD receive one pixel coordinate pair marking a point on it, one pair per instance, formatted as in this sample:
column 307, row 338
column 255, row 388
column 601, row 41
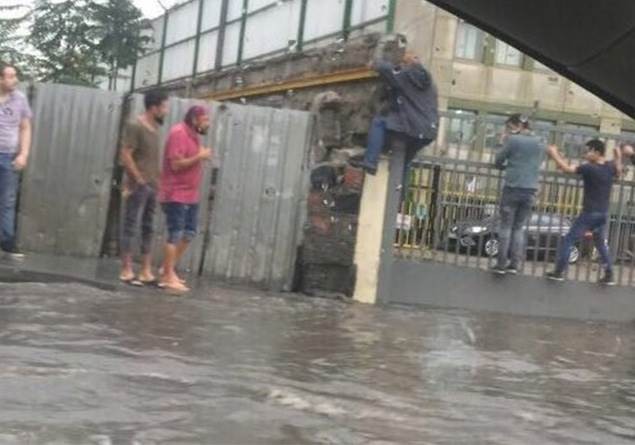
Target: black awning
column 592, row 42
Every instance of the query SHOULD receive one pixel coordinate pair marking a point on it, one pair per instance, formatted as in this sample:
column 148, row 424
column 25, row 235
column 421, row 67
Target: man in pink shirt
column 179, row 189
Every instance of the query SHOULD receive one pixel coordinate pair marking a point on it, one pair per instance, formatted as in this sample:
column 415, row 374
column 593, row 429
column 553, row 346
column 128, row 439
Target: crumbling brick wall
column 342, row 112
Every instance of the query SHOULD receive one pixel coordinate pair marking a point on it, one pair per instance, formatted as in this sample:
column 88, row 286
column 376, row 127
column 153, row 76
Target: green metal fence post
column 243, row 26
column 163, row 40
column 300, row 42
column 392, row 12
column 197, row 42
column 220, row 42
column 346, row 26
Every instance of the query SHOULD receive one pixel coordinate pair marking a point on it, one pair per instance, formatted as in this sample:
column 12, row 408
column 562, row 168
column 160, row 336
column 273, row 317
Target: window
column 494, row 130
column 461, row 129
column 575, row 138
column 469, row 42
column 508, row 55
column 628, row 136
column 545, row 130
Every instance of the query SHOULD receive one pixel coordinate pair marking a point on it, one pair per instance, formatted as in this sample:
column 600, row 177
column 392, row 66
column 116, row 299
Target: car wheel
column 574, row 256
column 491, row 247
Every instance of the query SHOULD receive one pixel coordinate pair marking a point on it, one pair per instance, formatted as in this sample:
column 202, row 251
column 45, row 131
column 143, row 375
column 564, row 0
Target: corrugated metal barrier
column 66, row 188
column 252, row 211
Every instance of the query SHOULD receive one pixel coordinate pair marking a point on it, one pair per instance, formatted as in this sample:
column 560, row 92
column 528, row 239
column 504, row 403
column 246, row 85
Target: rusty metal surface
column 65, row 190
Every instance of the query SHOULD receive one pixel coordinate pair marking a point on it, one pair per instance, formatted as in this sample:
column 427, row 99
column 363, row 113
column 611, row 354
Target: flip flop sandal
column 143, row 283
column 126, row 280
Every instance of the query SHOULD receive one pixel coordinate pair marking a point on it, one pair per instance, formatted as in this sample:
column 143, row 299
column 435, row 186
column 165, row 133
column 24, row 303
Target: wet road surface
column 82, row 366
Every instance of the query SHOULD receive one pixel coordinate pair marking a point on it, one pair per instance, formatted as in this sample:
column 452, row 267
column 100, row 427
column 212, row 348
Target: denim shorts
column 181, row 221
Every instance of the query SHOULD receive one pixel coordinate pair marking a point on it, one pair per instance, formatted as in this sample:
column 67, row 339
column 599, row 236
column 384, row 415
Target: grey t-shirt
column 12, row 112
column 521, row 158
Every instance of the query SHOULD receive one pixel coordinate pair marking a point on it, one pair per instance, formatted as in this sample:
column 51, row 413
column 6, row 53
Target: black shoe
column 512, row 270
column 499, row 270
column 607, row 279
column 370, row 169
column 555, row 276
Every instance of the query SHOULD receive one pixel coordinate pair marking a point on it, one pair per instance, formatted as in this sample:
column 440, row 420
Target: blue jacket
column 413, row 104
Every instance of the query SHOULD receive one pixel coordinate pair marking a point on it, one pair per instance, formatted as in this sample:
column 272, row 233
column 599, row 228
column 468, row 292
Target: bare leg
column 146, row 274
column 127, row 273
column 170, row 278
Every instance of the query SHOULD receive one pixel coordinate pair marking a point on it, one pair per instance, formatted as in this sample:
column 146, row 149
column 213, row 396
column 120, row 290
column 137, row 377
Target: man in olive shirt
column 140, row 157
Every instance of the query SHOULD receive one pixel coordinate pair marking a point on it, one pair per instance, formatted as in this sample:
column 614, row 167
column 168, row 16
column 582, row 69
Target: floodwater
column 81, row 366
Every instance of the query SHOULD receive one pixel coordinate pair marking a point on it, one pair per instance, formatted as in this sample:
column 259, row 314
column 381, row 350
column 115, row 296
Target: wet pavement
column 85, row 366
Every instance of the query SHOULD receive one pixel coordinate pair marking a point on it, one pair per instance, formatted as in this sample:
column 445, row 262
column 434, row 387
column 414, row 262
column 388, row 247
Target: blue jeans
column 377, row 136
column 595, row 222
column 376, row 141
column 515, row 210
column 142, row 201
column 8, row 195
column 181, row 221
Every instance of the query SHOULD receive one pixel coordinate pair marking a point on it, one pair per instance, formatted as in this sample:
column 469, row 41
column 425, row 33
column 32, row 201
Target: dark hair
column 597, row 146
column 154, row 99
column 518, row 120
column 4, row 66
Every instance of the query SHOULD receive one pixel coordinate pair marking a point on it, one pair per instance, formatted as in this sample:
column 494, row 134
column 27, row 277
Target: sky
column 150, row 8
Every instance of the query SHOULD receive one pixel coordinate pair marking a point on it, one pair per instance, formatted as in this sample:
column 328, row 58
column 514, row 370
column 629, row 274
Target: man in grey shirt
column 521, row 158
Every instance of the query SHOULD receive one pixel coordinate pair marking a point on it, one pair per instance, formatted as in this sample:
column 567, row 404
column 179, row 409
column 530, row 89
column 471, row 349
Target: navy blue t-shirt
column 598, row 181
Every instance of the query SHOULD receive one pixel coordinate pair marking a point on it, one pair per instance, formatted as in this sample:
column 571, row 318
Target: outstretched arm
column 560, row 161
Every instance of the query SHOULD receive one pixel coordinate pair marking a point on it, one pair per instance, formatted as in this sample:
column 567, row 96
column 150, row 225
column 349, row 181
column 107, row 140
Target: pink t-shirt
column 181, row 186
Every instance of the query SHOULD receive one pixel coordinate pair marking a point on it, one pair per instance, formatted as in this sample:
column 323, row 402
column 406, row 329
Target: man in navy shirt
column 597, row 176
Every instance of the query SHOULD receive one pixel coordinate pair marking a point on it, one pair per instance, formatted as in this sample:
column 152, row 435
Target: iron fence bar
column 614, row 251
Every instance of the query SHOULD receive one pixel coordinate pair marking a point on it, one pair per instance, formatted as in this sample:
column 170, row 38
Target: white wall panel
column 207, row 52
column 182, row 22
column 147, row 71
column 234, row 9
column 178, row 61
column 211, row 14
column 232, row 39
column 260, row 37
column 323, row 17
column 254, row 5
column 367, row 10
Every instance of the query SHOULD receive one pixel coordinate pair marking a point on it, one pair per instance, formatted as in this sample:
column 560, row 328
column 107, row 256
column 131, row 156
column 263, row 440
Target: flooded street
column 81, row 366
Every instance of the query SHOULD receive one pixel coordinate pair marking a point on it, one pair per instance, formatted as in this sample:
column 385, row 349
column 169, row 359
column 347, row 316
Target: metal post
column 392, row 12
column 222, row 27
column 133, row 78
column 197, row 44
column 348, row 10
column 243, row 26
column 300, row 43
column 163, row 40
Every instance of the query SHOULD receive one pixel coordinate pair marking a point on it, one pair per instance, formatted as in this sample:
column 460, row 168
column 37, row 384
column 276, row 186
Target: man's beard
column 159, row 120
column 202, row 131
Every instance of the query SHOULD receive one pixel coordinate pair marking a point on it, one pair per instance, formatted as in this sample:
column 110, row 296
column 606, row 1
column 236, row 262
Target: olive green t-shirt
column 144, row 144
